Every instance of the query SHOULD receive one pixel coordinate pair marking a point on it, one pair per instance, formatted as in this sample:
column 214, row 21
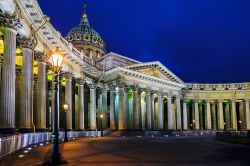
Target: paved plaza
column 180, row 151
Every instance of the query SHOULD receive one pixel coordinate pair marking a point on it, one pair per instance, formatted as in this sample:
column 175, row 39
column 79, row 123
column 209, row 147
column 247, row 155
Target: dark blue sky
column 205, row 41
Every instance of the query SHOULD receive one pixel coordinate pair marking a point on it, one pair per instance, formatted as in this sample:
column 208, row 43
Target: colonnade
column 26, row 100
column 218, row 114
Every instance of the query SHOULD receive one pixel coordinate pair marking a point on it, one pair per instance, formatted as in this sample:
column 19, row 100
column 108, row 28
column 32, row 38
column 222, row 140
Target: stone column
column 208, row 119
column 7, row 98
column 105, row 106
column 153, row 111
column 149, row 109
column 221, row 116
column 214, row 119
column 126, row 107
column 41, row 87
column 170, row 113
column 247, row 114
column 184, row 113
column 68, row 98
column 92, row 106
column 81, row 99
column 178, row 112
column 139, row 109
column 135, row 107
column 160, row 112
column 242, row 115
column 233, row 115
column 196, row 115
column 121, row 117
column 112, row 107
column 227, row 116
column 200, row 105
column 18, row 93
column 25, row 122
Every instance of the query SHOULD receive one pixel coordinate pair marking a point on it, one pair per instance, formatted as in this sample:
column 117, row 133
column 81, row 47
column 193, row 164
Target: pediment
column 155, row 69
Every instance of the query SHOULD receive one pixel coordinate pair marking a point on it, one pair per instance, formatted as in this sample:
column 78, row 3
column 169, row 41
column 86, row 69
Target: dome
column 86, row 39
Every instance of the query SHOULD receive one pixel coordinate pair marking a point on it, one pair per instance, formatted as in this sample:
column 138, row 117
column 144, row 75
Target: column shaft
column 26, row 91
column 208, row 116
column 81, row 106
column 93, row 107
column 104, row 108
column 196, row 115
column 41, row 97
column 233, row 115
column 221, row 116
column 214, row 119
column 247, row 115
column 178, row 113
column 170, row 113
column 185, row 120
column 135, row 109
column 121, row 118
column 112, row 109
column 68, row 100
column 227, row 116
column 148, row 110
column 7, row 105
column 160, row 112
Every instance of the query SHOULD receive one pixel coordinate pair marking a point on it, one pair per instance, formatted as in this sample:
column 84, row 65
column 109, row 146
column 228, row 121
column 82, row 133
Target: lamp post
column 56, row 61
column 101, row 116
column 66, row 107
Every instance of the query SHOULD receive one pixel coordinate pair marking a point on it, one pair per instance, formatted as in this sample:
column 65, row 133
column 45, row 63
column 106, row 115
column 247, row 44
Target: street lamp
column 101, row 116
column 56, row 61
column 66, row 107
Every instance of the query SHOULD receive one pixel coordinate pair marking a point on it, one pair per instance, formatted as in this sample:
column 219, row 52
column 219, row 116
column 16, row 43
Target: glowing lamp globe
column 56, row 60
column 65, row 106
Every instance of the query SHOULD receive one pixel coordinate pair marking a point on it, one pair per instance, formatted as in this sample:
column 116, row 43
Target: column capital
column 9, row 20
column 40, row 56
column 135, row 87
column 68, row 75
column 220, row 100
column 126, row 89
column 26, row 42
column 185, row 100
column 80, row 81
column 104, row 88
column 92, row 85
column 121, row 83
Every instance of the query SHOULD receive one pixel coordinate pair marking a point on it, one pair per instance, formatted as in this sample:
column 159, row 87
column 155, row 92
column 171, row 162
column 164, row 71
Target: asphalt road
column 181, row 151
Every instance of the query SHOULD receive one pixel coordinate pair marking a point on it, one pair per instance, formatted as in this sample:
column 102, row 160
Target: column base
column 25, row 130
column 8, row 130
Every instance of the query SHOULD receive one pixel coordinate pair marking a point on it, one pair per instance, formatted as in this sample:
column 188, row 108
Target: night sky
column 204, row 41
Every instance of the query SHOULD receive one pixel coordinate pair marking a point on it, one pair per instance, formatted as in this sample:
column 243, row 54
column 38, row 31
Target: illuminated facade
column 131, row 95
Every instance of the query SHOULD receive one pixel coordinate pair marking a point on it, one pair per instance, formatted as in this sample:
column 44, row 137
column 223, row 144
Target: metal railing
column 10, row 144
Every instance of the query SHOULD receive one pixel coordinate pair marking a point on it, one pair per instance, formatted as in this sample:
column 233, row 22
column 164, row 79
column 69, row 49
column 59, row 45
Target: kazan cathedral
column 102, row 90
